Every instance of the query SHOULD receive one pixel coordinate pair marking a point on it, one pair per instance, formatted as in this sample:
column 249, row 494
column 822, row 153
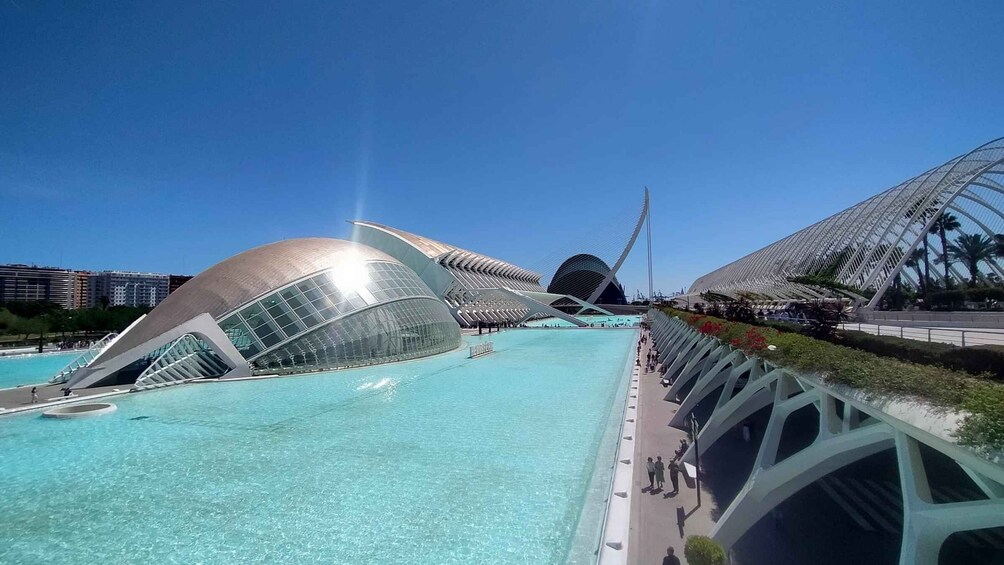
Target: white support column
column 926, row 525
column 989, row 487
column 706, row 383
column 769, row 486
column 676, row 344
column 685, row 354
column 695, row 365
column 784, row 406
column 752, row 398
column 752, row 367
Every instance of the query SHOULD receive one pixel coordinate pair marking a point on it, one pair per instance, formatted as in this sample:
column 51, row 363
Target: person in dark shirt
column 674, row 475
column 670, row 559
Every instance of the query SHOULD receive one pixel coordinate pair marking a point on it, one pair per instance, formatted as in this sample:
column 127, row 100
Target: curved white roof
column 870, row 244
column 450, row 255
column 242, row 278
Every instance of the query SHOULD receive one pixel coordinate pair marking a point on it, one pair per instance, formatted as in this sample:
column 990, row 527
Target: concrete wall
column 925, row 318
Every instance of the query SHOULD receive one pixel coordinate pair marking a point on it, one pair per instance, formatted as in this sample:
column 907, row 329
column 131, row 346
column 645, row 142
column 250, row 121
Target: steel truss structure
column 864, row 248
column 852, row 426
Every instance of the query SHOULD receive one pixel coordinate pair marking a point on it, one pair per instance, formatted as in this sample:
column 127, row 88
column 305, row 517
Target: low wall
column 925, row 318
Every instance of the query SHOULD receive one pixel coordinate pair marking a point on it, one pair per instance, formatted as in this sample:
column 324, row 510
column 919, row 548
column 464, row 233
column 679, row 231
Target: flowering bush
column 710, row 328
column 752, row 340
column 981, row 397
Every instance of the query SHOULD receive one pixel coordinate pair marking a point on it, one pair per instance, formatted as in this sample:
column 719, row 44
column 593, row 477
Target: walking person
column 674, row 475
column 660, row 468
column 34, row 395
column 651, row 474
column 670, row 559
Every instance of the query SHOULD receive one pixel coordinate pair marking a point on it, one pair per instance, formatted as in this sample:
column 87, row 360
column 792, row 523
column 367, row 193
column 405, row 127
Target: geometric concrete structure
column 291, row 306
column 851, row 426
column 927, row 228
column 477, row 289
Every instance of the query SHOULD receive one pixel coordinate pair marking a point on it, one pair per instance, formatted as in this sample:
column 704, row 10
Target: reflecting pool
column 500, row 459
column 17, row 370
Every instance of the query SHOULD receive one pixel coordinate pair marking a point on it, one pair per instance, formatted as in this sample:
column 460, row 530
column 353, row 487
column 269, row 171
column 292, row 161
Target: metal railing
column 960, row 337
column 83, row 359
column 482, row 349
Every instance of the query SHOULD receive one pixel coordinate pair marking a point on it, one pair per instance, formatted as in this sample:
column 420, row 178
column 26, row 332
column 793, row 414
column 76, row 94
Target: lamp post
column 695, row 429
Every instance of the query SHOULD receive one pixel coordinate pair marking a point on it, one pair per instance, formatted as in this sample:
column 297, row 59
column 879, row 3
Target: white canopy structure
column 944, row 224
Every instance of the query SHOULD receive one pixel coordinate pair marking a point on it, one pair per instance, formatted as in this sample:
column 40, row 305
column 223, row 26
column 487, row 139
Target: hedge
column 983, row 398
column 974, row 360
column 957, row 298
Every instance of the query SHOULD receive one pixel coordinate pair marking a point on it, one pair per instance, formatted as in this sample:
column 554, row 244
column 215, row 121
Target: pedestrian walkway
column 654, row 524
column 17, row 400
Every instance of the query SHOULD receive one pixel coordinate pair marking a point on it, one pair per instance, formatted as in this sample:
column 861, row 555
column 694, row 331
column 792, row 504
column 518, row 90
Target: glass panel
column 292, row 297
column 251, row 311
column 284, row 320
column 395, row 331
column 313, row 294
column 270, row 340
column 263, row 328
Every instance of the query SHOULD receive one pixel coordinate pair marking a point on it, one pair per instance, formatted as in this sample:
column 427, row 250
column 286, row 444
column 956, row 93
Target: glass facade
column 396, row 331
column 301, row 309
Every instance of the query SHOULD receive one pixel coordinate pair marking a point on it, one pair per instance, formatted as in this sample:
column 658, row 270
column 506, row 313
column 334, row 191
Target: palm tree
column 999, row 241
column 920, row 213
column 913, row 261
column 945, row 223
column 970, row 250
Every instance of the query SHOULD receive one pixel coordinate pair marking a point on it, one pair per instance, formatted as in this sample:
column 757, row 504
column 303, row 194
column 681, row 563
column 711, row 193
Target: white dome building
column 292, row 306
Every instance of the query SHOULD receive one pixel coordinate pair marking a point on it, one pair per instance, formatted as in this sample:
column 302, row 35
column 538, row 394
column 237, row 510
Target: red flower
column 710, row 328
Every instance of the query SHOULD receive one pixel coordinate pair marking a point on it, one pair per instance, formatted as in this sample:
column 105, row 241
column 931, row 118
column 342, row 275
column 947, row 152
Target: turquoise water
column 443, row 460
column 598, row 321
column 32, row 369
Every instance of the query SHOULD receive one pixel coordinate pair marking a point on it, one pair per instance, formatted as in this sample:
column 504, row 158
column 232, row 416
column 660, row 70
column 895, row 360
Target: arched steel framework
column 866, row 246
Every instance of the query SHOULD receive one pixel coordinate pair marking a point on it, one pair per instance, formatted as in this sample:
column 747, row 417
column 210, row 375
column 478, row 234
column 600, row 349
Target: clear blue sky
column 167, row 136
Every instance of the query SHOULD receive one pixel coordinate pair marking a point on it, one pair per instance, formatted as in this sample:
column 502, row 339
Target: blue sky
column 168, row 136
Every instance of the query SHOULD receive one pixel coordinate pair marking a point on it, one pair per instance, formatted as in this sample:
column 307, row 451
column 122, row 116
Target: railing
column 83, row 359
column 961, row 337
column 482, row 349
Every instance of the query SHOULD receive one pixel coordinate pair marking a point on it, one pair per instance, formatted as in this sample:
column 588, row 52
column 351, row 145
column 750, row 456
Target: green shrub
column 702, row 550
column 985, row 424
column 787, row 327
column 901, row 348
column 977, row 360
column 956, row 299
column 888, row 376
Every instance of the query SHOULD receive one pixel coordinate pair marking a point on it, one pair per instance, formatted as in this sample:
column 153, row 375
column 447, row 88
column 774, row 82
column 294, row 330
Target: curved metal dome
column 579, row 276
column 891, row 238
column 242, row 278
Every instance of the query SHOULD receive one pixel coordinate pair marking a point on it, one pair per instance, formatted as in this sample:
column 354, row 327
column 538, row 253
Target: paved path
column 19, row 399
column 654, row 524
column 939, row 334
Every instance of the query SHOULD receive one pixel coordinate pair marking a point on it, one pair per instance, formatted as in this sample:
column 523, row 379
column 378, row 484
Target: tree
column 945, row 223
column 920, row 213
column 913, row 261
column 32, row 308
column 740, row 311
column 823, row 319
column 999, row 243
column 970, row 250
column 702, row 550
